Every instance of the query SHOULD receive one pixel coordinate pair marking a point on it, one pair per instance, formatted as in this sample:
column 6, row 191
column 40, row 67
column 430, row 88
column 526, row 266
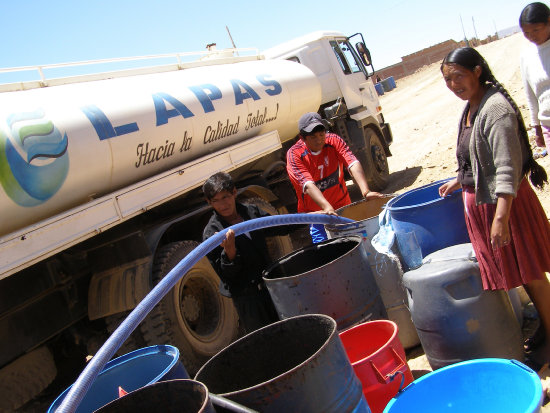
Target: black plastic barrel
column 455, row 318
column 294, row 365
column 332, row 277
column 178, row 396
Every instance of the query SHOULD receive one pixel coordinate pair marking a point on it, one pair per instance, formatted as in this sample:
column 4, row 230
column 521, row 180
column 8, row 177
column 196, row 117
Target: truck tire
column 277, row 246
column 193, row 316
column 25, row 378
column 134, row 342
column 374, row 161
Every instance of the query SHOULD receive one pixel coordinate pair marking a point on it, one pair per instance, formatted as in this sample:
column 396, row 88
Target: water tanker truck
column 100, row 191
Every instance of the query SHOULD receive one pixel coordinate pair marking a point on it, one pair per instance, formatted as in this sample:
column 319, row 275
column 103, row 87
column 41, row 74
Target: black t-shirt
column 465, row 172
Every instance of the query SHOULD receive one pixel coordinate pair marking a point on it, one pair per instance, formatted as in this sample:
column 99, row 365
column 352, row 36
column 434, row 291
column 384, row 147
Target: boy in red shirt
column 315, row 165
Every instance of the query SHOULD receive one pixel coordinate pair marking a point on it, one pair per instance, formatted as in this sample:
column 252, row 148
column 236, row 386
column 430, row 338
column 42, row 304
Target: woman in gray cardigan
column 507, row 225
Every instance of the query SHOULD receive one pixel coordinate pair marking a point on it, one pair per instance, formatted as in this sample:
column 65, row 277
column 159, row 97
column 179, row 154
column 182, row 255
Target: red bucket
column 378, row 359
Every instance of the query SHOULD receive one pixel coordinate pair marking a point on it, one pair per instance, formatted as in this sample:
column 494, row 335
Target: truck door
column 357, row 89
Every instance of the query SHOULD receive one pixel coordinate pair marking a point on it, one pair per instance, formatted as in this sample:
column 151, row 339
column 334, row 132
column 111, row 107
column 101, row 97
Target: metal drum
column 184, row 396
column 387, row 272
column 332, row 277
column 456, row 319
column 295, row 365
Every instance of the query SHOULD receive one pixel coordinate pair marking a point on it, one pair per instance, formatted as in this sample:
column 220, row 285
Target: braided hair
column 469, row 58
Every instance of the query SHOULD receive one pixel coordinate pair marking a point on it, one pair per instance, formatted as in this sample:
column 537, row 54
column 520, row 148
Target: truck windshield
column 346, row 57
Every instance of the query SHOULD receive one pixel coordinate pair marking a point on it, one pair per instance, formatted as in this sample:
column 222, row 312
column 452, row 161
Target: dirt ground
column 424, row 114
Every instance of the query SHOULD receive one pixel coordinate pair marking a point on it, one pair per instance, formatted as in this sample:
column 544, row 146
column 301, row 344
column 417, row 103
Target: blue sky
column 54, row 31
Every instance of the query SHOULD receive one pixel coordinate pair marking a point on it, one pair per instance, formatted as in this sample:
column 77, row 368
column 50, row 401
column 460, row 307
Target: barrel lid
column 454, row 252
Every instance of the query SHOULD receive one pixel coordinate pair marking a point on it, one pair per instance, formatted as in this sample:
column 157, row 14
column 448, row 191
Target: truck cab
column 349, row 100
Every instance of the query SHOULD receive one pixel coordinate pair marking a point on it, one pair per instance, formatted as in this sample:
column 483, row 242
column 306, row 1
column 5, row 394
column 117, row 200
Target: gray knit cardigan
column 496, row 150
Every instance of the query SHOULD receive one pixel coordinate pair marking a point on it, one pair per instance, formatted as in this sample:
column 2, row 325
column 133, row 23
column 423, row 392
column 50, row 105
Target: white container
column 64, row 145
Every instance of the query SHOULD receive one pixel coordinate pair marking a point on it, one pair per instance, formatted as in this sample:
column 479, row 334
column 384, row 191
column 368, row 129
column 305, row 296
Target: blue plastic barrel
column 130, row 372
column 379, row 89
column 392, row 82
column 435, row 222
column 484, row 385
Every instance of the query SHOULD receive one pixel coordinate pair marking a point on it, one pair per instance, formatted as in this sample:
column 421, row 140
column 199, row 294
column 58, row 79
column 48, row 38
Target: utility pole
column 231, row 38
column 474, row 24
column 463, row 31
column 496, row 31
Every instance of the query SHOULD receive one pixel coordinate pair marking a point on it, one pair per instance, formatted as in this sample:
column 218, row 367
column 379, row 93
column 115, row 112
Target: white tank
column 62, row 146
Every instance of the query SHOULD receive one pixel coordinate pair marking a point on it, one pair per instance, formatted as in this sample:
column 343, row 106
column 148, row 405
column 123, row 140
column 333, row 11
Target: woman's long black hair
column 469, row 58
column 534, row 13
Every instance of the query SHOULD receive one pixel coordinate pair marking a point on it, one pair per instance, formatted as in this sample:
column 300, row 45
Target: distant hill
column 508, row 32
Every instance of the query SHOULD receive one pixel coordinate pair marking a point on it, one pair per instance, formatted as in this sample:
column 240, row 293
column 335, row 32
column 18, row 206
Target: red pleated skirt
column 527, row 257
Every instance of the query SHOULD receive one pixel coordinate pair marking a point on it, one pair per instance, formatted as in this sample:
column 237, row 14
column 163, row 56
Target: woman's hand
column 500, row 228
column 228, row 244
column 449, row 187
column 500, row 233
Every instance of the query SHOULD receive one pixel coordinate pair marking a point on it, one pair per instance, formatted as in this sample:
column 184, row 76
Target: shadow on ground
column 402, row 179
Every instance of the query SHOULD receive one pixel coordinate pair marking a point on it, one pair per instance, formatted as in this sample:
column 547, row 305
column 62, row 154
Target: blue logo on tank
column 33, row 158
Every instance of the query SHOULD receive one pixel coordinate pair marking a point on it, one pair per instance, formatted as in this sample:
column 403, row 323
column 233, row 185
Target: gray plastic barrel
column 294, row 365
column 332, row 277
column 387, row 272
column 387, row 85
column 183, row 396
column 455, row 318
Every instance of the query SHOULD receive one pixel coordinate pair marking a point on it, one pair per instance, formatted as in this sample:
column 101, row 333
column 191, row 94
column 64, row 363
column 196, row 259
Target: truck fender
column 371, row 122
column 122, row 286
column 256, row 191
column 119, row 289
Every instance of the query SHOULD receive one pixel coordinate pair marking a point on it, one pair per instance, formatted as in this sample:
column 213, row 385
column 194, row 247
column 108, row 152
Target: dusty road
column 424, row 114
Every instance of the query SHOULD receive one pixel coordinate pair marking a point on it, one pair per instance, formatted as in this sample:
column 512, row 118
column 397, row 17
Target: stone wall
column 411, row 63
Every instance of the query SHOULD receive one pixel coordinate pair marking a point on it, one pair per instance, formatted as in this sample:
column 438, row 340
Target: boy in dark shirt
column 240, row 260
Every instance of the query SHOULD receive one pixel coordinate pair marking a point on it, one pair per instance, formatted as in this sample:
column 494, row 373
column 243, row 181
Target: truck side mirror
column 364, row 53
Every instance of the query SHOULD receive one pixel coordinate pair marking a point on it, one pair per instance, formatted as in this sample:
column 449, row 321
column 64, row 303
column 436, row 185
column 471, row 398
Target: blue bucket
column 131, row 371
column 379, row 89
column 487, row 385
column 424, row 222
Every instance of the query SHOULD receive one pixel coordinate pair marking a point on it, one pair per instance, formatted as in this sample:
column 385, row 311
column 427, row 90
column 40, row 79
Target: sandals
column 535, row 341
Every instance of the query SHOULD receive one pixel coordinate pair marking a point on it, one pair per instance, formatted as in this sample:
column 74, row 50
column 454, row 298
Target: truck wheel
column 133, row 342
column 277, row 246
column 193, row 316
column 25, row 378
column 374, row 161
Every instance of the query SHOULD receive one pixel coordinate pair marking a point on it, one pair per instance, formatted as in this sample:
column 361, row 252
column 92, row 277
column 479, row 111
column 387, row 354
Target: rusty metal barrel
column 388, row 272
column 294, row 365
column 185, row 396
column 332, row 277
